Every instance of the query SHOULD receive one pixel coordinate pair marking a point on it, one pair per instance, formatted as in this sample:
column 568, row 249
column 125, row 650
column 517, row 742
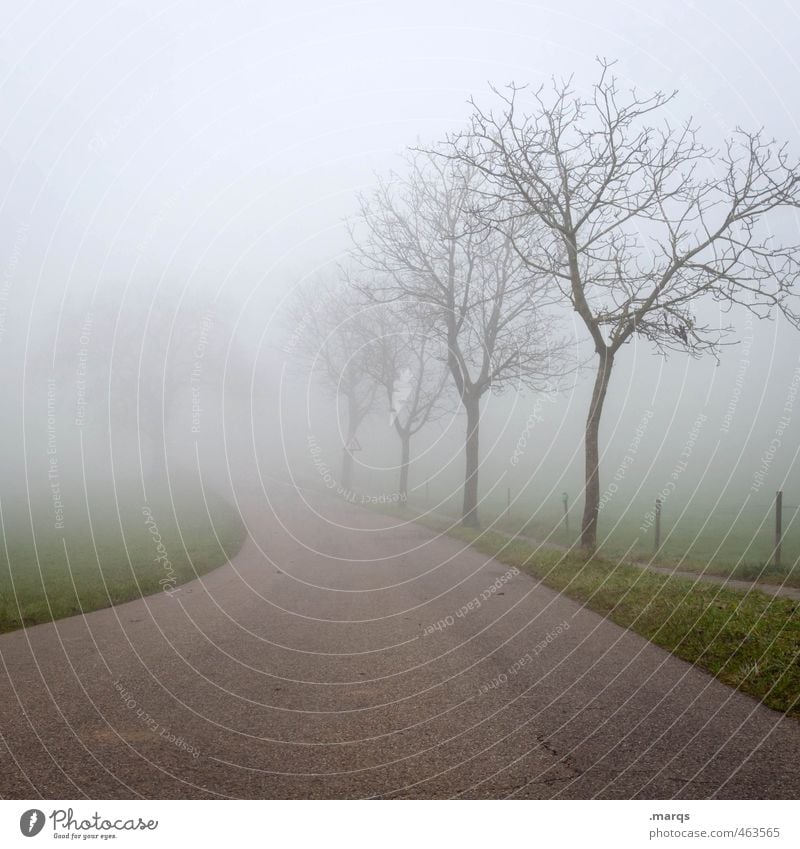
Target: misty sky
column 210, row 152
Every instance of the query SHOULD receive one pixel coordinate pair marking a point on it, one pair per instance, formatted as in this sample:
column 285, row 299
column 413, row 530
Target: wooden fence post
column 776, row 560
column 658, row 525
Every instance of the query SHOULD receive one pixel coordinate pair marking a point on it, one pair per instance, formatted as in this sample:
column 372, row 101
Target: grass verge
column 749, row 640
column 740, row 549
column 104, row 557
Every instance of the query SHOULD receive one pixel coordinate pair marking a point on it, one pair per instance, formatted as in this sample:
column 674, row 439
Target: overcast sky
column 215, row 148
column 232, row 135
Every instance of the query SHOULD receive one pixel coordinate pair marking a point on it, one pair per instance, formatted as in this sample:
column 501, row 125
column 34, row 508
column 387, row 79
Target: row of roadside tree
column 465, row 262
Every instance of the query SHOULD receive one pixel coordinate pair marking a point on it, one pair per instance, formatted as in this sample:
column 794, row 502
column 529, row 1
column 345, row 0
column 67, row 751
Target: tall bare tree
column 331, row 334
column 411, row 367
column 637, row 220
column 419, row 233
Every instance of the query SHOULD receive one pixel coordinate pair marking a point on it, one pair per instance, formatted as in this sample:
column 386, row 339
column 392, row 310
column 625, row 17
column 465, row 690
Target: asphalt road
column 308, row 667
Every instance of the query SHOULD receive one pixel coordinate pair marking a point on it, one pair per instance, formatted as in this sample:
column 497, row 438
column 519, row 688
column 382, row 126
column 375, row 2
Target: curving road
column 309, row 667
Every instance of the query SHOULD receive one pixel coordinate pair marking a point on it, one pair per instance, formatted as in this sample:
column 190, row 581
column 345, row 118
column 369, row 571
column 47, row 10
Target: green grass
column 113, row 559
column 750, row 640
column 724, row 544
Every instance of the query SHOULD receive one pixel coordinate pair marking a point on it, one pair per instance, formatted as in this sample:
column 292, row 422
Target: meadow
column 120, row 548
column 714, row 541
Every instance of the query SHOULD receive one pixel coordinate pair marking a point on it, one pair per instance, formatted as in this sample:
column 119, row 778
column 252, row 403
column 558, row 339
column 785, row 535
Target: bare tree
column 331, row 334
column 637, row 220
column 410, row 366
column 419, row 233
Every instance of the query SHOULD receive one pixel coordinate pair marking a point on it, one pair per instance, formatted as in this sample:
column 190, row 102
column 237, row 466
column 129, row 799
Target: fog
column 173, row 173
column 398, row 400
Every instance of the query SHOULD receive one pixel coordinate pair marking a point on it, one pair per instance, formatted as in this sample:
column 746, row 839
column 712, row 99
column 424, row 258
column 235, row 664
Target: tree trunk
column 347, row 455
column 469, row 515
column 591, row 507
column 347, row 470
column 405, row 457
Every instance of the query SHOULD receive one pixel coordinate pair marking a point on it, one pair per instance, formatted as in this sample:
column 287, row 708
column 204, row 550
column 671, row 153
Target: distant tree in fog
column 410, row 366
column 332, row 336
column 636, row 220
column 134, row 367
column 419, row 233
